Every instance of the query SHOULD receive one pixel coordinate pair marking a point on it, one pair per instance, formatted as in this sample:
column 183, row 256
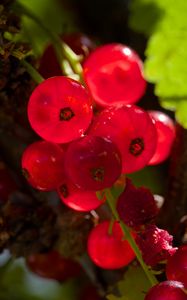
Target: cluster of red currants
column 93, row 135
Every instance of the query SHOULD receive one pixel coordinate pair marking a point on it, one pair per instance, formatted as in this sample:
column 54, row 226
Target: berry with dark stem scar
column 93, row 163
column 60, row 110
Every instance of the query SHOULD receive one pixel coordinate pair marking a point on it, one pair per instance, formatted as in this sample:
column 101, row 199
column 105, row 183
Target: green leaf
column 166, row 51
column 152, row 177
column 134, row 285
column 145, row 16
column 181, row 113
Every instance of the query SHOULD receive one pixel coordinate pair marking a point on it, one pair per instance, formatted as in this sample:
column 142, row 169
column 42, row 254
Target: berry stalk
column 129, row 238
column 67, row 58
column 35, row 75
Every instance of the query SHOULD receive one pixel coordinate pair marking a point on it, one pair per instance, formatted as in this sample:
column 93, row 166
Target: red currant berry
column 78, row 42
column 53, row 266
column 109, row 250
column 93, row 163
column 7, row 184
column 176, row 268
column 78, row 199
column 136, row 206
column 59, row 109
column 43, row 165
column 113, row 73
column 167, row 290
column 166, row 134
column 132, row 130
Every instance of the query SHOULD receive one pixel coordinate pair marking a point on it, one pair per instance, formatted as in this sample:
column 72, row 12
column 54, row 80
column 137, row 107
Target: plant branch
column 36, row 76
column 129, row 238
column 63, row 51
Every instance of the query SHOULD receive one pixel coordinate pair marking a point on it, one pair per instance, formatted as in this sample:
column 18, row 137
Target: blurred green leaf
column 151, row 177
column 166, row 52
column 181, row 113
column 133, row 286
column 145, row 16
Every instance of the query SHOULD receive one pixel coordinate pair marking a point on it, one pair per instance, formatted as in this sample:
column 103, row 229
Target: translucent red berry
column 167, row 290
column 93, row 163
column 155, row 245
column 109, row 250
column 59, row 109
column 136, row 206
column 78, row 199
column 176, row 268
column 43, row 165
column 166, row 134
column 78, row 42
column 132, row 130
column 113, row 74
column 53, row 266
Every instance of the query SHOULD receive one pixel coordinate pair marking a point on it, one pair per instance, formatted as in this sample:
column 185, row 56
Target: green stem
column 32, row 72
column 62, row 50
column 129, row 238
column 73, row 58
column 36, row 76
column 111, row 226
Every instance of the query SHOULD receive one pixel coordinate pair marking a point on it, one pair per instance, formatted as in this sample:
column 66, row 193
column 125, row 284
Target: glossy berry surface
column 78, row 42
column 59, row 109
column 113, row 74
column 93, row 163
column 78, row 199
column 176, row 268
column 109, row 250
column 136, row 206
column 167, row 290
column 166, row 134
column 132, row 130
column 43, row 165
column 53, row 266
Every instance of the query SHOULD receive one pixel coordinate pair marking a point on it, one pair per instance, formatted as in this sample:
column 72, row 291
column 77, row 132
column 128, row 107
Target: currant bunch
column 84, row 152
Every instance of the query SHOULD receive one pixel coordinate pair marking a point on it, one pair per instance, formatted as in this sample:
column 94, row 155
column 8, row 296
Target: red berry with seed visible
column 113, row 74
column 59, row 109
column 167, row 290
column 109, row 250
column 166, row 134
column 132, row 130
column 78, row 199
column 176, row 268
column 53, row 266
column 78, row 42
column 43, row 165
column 136, row 206
column 93, row 163
column 155, row 245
